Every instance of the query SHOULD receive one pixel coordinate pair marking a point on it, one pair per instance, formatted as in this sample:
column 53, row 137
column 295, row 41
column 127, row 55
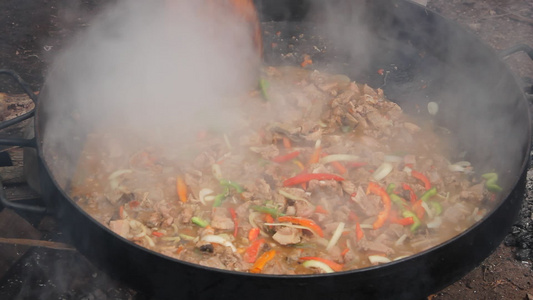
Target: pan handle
column 504, row 54
column 21, row 142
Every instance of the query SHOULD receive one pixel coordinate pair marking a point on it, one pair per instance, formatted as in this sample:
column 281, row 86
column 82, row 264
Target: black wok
column 414, row 46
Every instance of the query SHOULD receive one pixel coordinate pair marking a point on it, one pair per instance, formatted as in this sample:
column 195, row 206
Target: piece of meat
column 213, row 262
column 220, row 220
column 267, row 152
column 288, row 235
column 456, row 212
column 369, row 204
column 367, row 245
column 120, row 227
column 473, row 193
column 304, row 209
column 150, row 219
column 185, row 214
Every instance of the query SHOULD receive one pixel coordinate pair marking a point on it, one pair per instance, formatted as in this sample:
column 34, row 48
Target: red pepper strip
column 423, row 178
column 304, row 222
column 303, row 178
column 405, row 221
column 418, row 209
column 346, row 250
column 134, row 203
column 286, row 157
column 384, row 214
column 157, row 233
column 321, row 210
column 359, row 233
column 262, row 261
column 253, row 234
column 251, row 252
column 335, row 266
column 235, row 221
column 412, row 194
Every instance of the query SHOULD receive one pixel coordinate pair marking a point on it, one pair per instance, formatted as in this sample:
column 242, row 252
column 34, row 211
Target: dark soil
column 31, row 31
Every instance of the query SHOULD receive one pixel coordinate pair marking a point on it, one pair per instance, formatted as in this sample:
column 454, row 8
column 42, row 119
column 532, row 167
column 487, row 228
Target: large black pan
column 414, row 46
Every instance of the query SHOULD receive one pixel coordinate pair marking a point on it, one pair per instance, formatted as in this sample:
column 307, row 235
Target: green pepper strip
column 428, row 194
column 416, row 224
column 267, row 210
column 390, row 188
column 229, row 183
column 399, row 201
column 436, row 206
column 491, row 182
column 263, row 86
column 221, row 197
column 200, row 222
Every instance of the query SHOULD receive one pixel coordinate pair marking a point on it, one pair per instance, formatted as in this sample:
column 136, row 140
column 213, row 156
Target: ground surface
column 31, row 31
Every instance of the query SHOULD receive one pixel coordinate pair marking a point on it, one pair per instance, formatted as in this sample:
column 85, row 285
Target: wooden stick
column 37, row 243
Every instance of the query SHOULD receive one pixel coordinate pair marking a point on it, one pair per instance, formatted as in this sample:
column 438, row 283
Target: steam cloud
column 162, row 69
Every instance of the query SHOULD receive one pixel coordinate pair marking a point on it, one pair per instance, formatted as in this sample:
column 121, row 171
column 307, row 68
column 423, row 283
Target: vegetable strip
column 304, row 222
column 235, row 221
column 252, row 251
column 286, row 157
column 384, row 214
column 181, row 188
column 335, row 266
column 423, row 178
column 303, row 178
column 262, row 261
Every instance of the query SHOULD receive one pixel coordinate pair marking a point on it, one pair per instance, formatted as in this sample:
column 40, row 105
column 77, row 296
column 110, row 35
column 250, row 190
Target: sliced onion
column 366, row 226
column 319, row 265
column 203, row 193
column 435, row 223
column 433, row 108
column 251, row 217
column 427, row 209
column 400, row 257
column 393, row 158
column 113, row 177
column 382, row 171
column 400, row 240
column 336, row 235
column 292, row 197
column 339, row 157
column 378, row 259
column 211, row 238
column 460, row 166
column 150, row 241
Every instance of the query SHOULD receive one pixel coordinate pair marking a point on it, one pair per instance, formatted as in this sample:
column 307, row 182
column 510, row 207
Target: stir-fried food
column 334, row 178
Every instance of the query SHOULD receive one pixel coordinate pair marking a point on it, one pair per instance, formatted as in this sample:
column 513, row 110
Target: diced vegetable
column 423, row 178
column 181, row 189
column 378, row 259
column 286, row 157
column 303, row 178
column 382, row 171
column 333, row 265
column 267, row 210
column 252, row 251
column 384, row 214
column 336, row 235
column 318, row 265
column 304, row 222
column 199, row 221
column 262, row 261
column 211, row 238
